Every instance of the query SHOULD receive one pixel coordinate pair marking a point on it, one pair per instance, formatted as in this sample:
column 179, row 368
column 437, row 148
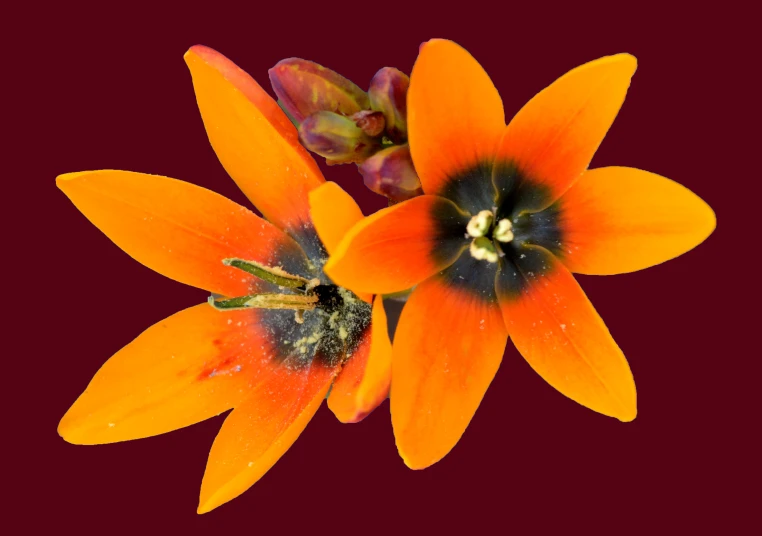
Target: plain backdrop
column 104, row 86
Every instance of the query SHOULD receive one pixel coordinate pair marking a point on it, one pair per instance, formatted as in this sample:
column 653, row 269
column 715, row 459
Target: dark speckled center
column 504, row 189
column 331, row 332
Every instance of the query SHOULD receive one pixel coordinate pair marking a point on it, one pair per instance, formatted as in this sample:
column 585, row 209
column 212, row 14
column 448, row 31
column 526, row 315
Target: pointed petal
column 554, row 136
column 618, row 219
column 364, row 381
column 399, row 246
column 259, row 431
column 254, row 140
column 191, row 366
column 180, row 230
column 556, row 329
column 455, row 115
column 447, row 348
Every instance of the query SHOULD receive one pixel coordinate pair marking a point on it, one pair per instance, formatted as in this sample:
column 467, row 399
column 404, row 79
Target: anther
column 483, row 249
column 275, row 275
column 503, row 230
column 480, row 224
column 295, row 302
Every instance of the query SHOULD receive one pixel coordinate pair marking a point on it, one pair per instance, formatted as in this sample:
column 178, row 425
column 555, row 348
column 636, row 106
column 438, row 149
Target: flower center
column 308, row 319
column 481, row 228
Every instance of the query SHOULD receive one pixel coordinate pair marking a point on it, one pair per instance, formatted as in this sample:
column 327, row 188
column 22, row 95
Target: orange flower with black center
column 509, row 212
column 278, row 333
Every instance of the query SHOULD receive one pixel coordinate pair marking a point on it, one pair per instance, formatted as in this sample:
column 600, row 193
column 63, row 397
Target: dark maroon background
column 106, row 87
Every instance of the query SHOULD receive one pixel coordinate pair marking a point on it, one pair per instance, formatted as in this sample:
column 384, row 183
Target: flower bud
column 388, row 94
column 304, row 87
column 336, row 137
column 391, row 173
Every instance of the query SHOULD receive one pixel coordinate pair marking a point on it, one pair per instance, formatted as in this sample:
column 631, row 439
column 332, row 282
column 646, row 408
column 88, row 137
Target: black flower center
column 518, row 247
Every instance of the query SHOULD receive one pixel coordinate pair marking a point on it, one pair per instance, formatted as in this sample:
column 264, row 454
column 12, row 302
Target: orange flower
column 509, row 213
column 272, row 365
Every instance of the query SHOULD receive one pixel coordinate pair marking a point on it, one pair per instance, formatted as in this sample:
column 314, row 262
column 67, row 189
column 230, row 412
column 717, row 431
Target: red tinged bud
column 372, row 123
column 304, row 88
column 337, row 138
column 391, row 173
column 388, row 95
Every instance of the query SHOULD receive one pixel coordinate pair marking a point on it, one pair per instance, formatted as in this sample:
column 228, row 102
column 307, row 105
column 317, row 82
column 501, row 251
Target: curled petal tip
column 304, row 88
column 205, row 506
column 628, row 414
column 65, row 181
column 199, row 51
column 62, row 179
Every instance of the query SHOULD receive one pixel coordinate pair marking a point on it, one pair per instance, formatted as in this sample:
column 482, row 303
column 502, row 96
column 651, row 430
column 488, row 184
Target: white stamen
column 483, row 251
column 480, row 224
column 503, row 232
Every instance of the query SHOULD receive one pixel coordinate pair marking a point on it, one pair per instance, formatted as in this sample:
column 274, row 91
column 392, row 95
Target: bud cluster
column 344, row 124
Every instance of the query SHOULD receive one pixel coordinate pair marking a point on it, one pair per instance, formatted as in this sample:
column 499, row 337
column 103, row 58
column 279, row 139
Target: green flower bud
column 336, row 137
column 388, row 94
column 304, row 87
column 391, row 173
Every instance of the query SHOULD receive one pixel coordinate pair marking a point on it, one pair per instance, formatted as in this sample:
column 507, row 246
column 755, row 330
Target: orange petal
column 191, row 366
column 254, row 140
column 447, row 348
column 399, row 246
column 180, row 230
column 618, row 219
column 364, row 380
column 333, row 212
column 554, row 136
column 259, row 431
column 455, row 116
column 556, row 329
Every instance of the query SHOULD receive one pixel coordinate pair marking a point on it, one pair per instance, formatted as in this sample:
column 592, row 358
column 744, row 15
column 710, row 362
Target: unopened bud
column 304, row 87
column 391, row 173
column 372, row 123
column 388, row 94
column 336, row 137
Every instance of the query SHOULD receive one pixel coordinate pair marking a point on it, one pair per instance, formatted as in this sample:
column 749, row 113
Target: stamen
column 296, row 302
column 483, row 249
column 275, row 275
column 503, row 230
column 480, row 224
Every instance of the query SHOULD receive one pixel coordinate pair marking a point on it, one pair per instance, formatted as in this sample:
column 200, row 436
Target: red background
column 106, row 87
